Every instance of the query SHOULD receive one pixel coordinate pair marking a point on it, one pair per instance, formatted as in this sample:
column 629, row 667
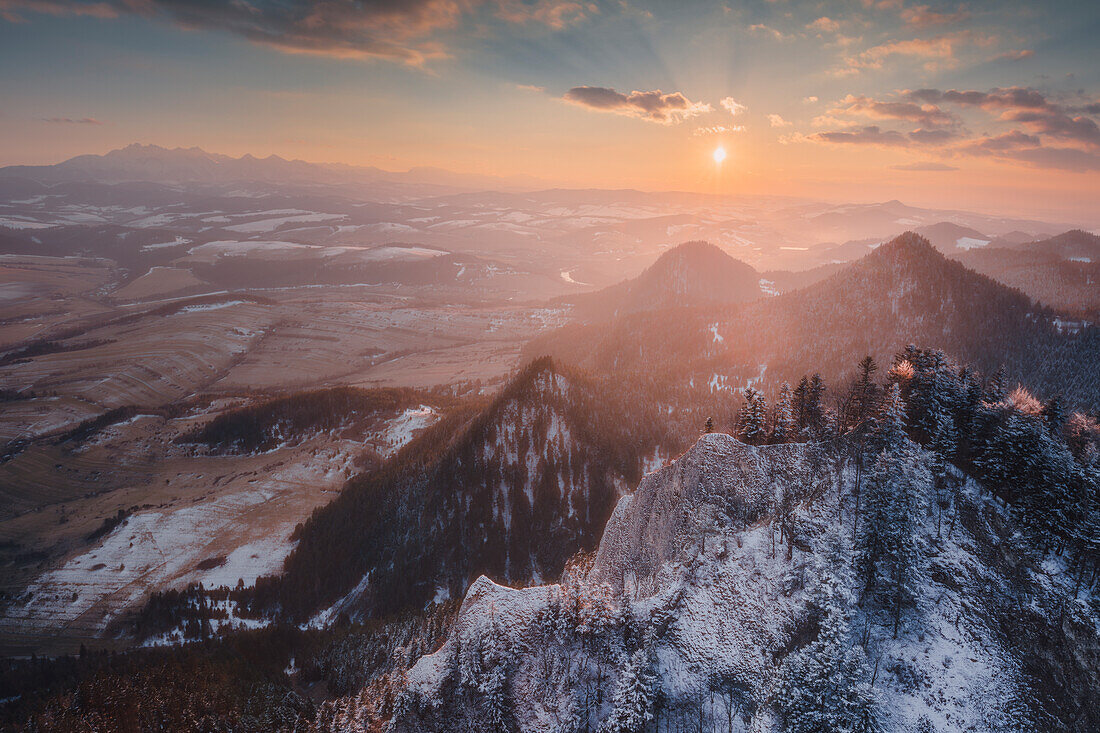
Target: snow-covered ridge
column 695, row 598
column 664, row 520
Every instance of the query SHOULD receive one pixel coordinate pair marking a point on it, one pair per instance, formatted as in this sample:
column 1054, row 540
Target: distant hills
column 137, row 162
column 1061, row 272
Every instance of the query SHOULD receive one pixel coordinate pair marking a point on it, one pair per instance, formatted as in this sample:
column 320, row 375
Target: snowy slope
column 694, row 575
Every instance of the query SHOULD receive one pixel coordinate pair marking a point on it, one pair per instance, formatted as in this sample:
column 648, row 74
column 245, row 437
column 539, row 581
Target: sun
column 719, row 154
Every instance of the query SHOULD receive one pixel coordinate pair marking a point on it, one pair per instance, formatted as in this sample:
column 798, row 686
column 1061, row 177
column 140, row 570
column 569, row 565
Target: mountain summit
column 691, row 274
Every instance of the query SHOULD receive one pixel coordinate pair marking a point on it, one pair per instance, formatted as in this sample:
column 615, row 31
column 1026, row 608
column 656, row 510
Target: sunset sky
column 984, row 105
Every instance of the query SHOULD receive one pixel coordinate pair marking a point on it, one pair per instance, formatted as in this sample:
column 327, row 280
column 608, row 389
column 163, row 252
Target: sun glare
column 719, row 154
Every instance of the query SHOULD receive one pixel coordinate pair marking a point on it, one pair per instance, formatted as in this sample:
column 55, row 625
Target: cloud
column 402, row 31
column 1067, row 159
column 932, row 137
column 716, row 130
column 998, row 98
column 1025, row 106
column 920, row 16
column 14, row 11
column 809, row 100
column 870, row 135
column 776, row 121
column 530, row 88
column 938, row 53
column 654, row 106
column 1014, row 55
column 927, row 115
column 875, row 135
column 824, row 24
column 1059, row 124
column 996, row 144
column 732, row 106
column 1076, row 134
column 556, row 14
column 926, row 166
column 72, row 120
column 760, row 29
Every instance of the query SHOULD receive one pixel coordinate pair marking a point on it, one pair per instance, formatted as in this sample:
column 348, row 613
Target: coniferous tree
column 752, row 422
column 824, row 687
column 632, row 706
column 997, row 388
column 888, row 557
column 801, row 395
column 783, row 424
column 863, row 394
column 815, row 406
column 1054, row 412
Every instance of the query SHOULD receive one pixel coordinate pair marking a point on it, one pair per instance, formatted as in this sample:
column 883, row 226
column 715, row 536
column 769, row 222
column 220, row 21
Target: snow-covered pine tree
column 891, row 427
column 752, row 423
column 632, row 706
column 493, row 680
column 887, row 547
column 783, row 425
column 824, row 688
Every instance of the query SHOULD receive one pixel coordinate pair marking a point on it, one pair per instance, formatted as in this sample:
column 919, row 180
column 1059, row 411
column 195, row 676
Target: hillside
column 511, row 491
column 690, row 274
column 903, row 292
column 1075, row 245
column 1060, row 272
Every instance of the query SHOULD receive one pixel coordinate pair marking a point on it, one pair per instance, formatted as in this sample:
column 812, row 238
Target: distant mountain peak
column 689, row 274
column 908, row 244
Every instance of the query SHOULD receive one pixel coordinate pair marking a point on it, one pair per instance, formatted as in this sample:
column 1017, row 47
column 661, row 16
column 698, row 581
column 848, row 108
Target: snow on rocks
column 693, row 562
column 674, row 507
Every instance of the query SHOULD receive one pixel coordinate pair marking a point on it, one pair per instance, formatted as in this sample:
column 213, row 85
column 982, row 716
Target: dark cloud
column 870, row 135
column 395, row 30
column 932, row 137
column 1058, row 124
column 998, row 144
column 654, row 106
column 1026, row 106
column 1007, row 98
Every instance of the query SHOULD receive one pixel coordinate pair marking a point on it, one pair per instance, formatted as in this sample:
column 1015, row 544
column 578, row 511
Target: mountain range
column 903, row 292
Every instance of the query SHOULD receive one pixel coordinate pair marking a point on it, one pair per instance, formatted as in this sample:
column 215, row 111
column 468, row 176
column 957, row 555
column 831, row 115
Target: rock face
column 720, row 484
column 707, row 589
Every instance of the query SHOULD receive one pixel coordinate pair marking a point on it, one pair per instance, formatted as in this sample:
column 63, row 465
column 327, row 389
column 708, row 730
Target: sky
column 989, row 106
